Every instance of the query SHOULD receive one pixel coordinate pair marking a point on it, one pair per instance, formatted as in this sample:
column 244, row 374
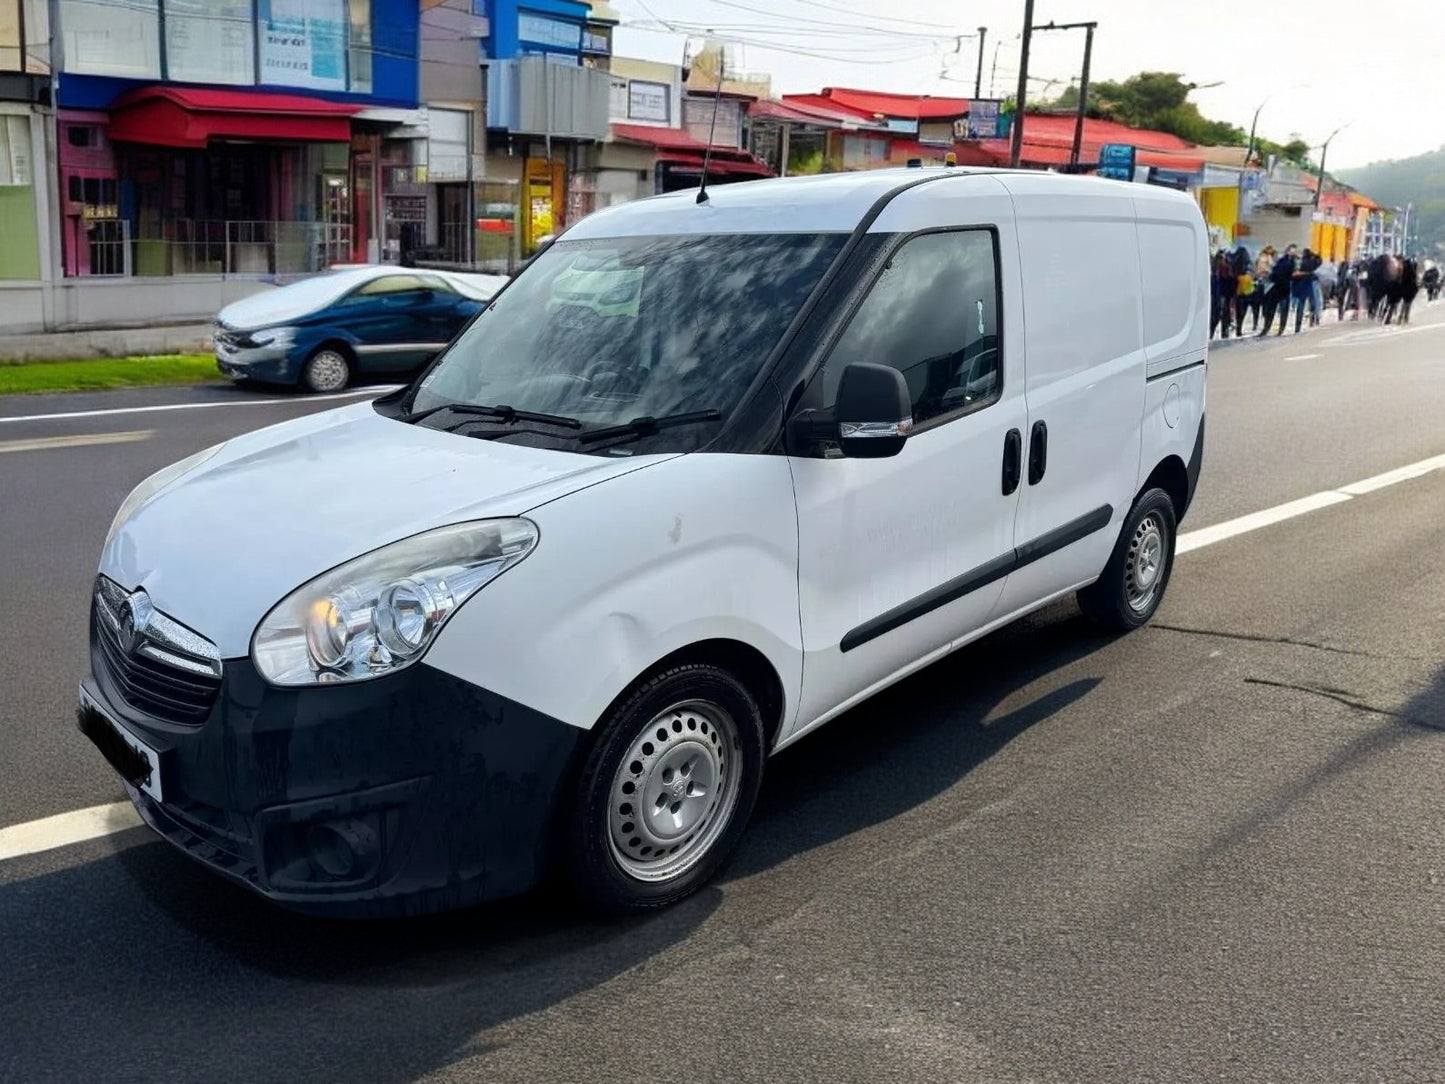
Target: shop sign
column 1116, row 161
column 303, row 43
column 648, row 101
column 980, row 122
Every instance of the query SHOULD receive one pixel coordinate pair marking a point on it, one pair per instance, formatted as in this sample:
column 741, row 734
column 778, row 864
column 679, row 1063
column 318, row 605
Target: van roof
column 822, row 203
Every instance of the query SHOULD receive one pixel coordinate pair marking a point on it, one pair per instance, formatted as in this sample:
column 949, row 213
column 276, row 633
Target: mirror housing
column 872, row 418
column 874, row 411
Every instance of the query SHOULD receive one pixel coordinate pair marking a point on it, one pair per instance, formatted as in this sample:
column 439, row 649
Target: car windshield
column 610, row 331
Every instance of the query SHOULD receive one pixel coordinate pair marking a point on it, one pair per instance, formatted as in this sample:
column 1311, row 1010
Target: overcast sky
column 1378, row 65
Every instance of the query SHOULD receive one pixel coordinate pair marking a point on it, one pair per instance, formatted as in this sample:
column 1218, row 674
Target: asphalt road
column 1210, row 850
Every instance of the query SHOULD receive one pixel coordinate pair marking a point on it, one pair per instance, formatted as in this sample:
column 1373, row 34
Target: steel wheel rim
column 328, row 371
column 1144, row 570
column 675, row 791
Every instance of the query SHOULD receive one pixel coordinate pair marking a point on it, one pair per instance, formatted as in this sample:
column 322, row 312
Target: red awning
column 191, row 117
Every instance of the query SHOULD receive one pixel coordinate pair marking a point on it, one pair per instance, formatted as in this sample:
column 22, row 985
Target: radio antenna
column 712, row 127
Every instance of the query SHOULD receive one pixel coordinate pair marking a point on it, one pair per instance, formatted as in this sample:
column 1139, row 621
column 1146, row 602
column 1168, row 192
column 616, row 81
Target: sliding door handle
column 1013, row 454
column 1038, row 452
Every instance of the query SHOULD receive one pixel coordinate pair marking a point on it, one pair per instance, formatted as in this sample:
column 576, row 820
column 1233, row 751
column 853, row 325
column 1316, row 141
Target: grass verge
column 91, row 375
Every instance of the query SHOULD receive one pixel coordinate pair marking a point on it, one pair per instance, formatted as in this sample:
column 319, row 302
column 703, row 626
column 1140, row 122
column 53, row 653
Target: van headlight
column 381, row 611
column 153, row 485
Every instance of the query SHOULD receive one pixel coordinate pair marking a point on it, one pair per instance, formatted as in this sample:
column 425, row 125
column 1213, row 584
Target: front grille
column 156, row 665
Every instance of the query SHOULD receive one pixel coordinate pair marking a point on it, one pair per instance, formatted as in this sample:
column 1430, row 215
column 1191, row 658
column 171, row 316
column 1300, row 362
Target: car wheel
column 327, row 370
column 1133, row 583
column 666, row 791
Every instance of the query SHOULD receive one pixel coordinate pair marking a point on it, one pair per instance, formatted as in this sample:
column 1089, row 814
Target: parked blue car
column 324, row 332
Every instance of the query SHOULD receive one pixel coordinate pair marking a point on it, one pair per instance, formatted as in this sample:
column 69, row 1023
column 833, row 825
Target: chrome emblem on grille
column 135, row 619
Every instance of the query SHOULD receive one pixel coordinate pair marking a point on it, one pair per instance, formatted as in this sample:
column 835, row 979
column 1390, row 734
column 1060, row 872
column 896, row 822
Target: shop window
column 112, row 37
column 360, row 46
column 15, row 166
column 210, row 41
column 11, row 47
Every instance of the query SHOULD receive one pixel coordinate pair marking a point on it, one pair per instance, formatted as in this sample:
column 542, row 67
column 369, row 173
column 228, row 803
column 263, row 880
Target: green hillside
column 1419, row 180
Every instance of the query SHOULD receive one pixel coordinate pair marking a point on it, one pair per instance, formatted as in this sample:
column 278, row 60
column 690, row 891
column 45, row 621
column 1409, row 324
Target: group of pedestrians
column 1268, row 286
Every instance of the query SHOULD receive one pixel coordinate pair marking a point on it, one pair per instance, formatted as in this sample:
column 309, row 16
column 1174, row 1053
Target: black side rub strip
column 982, row 576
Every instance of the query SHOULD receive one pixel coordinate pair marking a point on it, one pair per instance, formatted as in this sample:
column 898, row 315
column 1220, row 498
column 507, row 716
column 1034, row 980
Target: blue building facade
column 231, row 137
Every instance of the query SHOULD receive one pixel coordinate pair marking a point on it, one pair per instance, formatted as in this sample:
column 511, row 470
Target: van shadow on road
column 184, row 972
column 917, row 739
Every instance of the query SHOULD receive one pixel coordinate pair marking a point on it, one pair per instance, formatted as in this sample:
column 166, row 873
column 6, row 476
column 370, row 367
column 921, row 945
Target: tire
column 327, row 370
column 666, row 791
column 1132, row 586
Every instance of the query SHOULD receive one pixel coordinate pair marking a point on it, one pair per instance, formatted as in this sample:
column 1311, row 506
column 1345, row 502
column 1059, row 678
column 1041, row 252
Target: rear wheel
column 327, row 370
column 1133, row 583
column 666, row 791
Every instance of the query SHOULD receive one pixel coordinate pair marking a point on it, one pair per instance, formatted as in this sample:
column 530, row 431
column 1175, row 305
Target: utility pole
column 1016, row 143
column 1083, row 95
column 1088, row 29
column 978, row 79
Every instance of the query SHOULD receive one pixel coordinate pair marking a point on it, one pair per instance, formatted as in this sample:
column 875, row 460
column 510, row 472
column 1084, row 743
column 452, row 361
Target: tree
column 1154, row 100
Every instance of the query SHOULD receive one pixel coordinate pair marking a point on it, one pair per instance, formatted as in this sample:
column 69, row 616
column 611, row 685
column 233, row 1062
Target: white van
column 705, row 475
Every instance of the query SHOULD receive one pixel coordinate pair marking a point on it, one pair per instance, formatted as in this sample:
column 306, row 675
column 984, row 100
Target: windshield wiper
column 502, row 413
column 646, row 426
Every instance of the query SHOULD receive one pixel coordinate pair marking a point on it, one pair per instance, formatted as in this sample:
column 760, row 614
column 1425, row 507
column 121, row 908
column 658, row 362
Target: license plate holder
column 137, row 763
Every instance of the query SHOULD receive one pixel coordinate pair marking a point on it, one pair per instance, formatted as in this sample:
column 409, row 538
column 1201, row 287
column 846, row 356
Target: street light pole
column 1324, row 153
column 978, row 79
column 1016, row 142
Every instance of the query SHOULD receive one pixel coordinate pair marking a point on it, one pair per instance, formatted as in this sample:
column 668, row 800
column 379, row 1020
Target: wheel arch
column 742, row 660
column 1172, row 476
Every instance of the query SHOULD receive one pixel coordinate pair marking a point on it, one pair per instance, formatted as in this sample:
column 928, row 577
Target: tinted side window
column 932, row 314
column 390, row 284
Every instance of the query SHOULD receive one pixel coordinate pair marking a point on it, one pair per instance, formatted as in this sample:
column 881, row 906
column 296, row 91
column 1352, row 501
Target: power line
column 804, row 19
column 870, row 15
column 898, row 53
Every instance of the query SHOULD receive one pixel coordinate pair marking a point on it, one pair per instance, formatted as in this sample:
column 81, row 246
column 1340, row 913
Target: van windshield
column 609, row 331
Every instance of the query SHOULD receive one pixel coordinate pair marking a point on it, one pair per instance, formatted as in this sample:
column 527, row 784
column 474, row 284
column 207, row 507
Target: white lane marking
column 79, row 441
column 67, row 828
column 1302, row 357
column 1207, row 536
column 1389, row 478
column 300, row 400
column 64, row 829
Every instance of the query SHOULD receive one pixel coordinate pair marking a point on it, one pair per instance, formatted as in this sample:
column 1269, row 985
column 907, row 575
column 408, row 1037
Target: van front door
column 901, row 557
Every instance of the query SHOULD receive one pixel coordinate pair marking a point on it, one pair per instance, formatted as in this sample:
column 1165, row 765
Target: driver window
column 932, row 314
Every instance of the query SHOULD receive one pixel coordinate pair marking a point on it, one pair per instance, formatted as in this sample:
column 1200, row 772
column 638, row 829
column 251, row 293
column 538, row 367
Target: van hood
column 221, row 545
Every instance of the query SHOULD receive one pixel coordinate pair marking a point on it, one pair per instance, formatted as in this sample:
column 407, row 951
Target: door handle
column 1013, row 451
column 1038, row 452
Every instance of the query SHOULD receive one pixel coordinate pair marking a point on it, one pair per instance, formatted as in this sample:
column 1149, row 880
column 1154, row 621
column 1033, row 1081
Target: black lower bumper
column 411, row 793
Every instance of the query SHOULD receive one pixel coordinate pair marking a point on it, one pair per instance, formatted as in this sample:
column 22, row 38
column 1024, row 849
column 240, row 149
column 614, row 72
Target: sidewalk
column 120, row 342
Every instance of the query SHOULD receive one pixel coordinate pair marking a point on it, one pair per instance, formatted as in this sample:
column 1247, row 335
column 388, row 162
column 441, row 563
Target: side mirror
column 872, row 418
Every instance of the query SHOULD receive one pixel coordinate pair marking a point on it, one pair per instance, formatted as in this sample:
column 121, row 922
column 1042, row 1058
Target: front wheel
column 327, row 370
column 1133, row 583
column 666, row 791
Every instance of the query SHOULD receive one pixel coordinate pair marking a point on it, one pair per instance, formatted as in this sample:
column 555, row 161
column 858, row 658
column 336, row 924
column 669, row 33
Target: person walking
column 1277, row 293
column 1244, row 294
column 1222, row 288
column 1301, row 289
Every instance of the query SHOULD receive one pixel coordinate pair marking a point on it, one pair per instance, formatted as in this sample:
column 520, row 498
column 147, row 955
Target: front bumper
column 268, row 363
column 411, row 793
